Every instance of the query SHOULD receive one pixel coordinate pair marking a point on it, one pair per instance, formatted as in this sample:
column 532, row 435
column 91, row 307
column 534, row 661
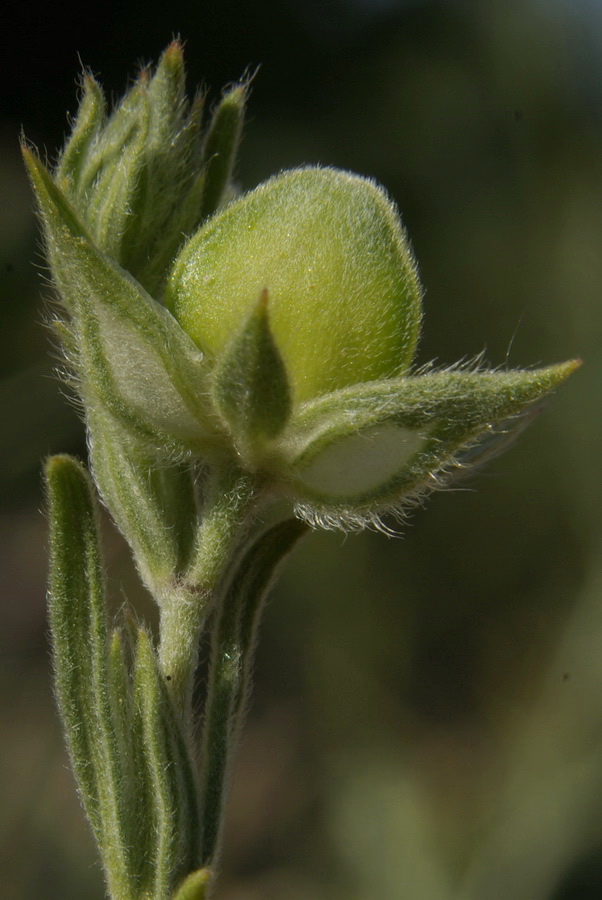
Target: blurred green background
column 427, row 716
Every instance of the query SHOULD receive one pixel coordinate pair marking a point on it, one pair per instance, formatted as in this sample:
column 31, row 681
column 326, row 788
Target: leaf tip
column 195, row 885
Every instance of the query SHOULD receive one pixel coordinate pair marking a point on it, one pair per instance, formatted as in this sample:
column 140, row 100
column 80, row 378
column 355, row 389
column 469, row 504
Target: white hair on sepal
column 476, row 363
column 349, row 519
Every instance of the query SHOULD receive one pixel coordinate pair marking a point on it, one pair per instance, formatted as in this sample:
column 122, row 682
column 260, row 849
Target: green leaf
column 221, row 146
column 85, row 689
column 356, row 453
column 76, row 580
column 86, row 128
column 233, row 645
column 120, row 698
column 133, row 357
column 152, row 505
column 166, row 203
column 137, row 179
column 116, row 164
column 195, row 886
column 167, row 777
column 251, row 388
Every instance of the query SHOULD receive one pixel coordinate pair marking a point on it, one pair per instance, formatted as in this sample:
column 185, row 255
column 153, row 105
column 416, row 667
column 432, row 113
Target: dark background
column 427, row 718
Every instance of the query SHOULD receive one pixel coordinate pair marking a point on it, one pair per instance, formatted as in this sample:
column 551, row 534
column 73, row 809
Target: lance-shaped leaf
column 136, row 177
column 152, row 505
column 233, row 644
column 167, row 199
column 167, row 778
column 133, row 356
column 357, row 453
column 119, row 684
column 251, row 388
column 85, row 688
column 221, row 146
column 89, row 121
column 113, row 172
column 75, row 582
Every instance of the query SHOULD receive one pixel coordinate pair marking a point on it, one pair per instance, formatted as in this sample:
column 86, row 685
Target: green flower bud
column 291, row 324
column 145, row 175
column 330, row 249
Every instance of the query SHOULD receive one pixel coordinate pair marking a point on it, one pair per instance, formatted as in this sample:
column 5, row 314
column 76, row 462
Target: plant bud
column 144, row 176
column 329, row 248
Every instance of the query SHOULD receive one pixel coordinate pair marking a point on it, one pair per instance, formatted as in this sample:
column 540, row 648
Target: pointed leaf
column 81, row 653
column 86, row 128
column 364, row 450
column 221, row 147
column 135, row 358
column 119, row 160
column 160, row 211
column 135, row 179
column 232, row 651
column 195, row 886
column 168, row 774
column 76, row 581
column 251, row 387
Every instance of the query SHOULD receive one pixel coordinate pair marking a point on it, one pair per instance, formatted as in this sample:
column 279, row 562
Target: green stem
column 231, row 497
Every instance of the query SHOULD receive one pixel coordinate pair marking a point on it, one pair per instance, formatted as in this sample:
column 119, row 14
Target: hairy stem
column 231, row 497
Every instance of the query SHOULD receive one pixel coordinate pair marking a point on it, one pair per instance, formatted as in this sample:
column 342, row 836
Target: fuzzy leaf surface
column 367, row 448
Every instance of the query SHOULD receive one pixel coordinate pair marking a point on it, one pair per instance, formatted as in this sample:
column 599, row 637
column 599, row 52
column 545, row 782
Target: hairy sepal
column 153, row 505
column 132, row 356
column 356, row 454
column 250, row 386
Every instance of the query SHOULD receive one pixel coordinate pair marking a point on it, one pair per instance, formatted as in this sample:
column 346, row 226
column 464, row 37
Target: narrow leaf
column 120, row 141
column 168, row 777
column 166, row 94
column 120, row 697
column 233, row 645
column 109, row 204
column 135, row 358
column 76, row 580
column 86, row 128
column 81, row 652
column 221, row 146
column 367, row 449
column 167, row 185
